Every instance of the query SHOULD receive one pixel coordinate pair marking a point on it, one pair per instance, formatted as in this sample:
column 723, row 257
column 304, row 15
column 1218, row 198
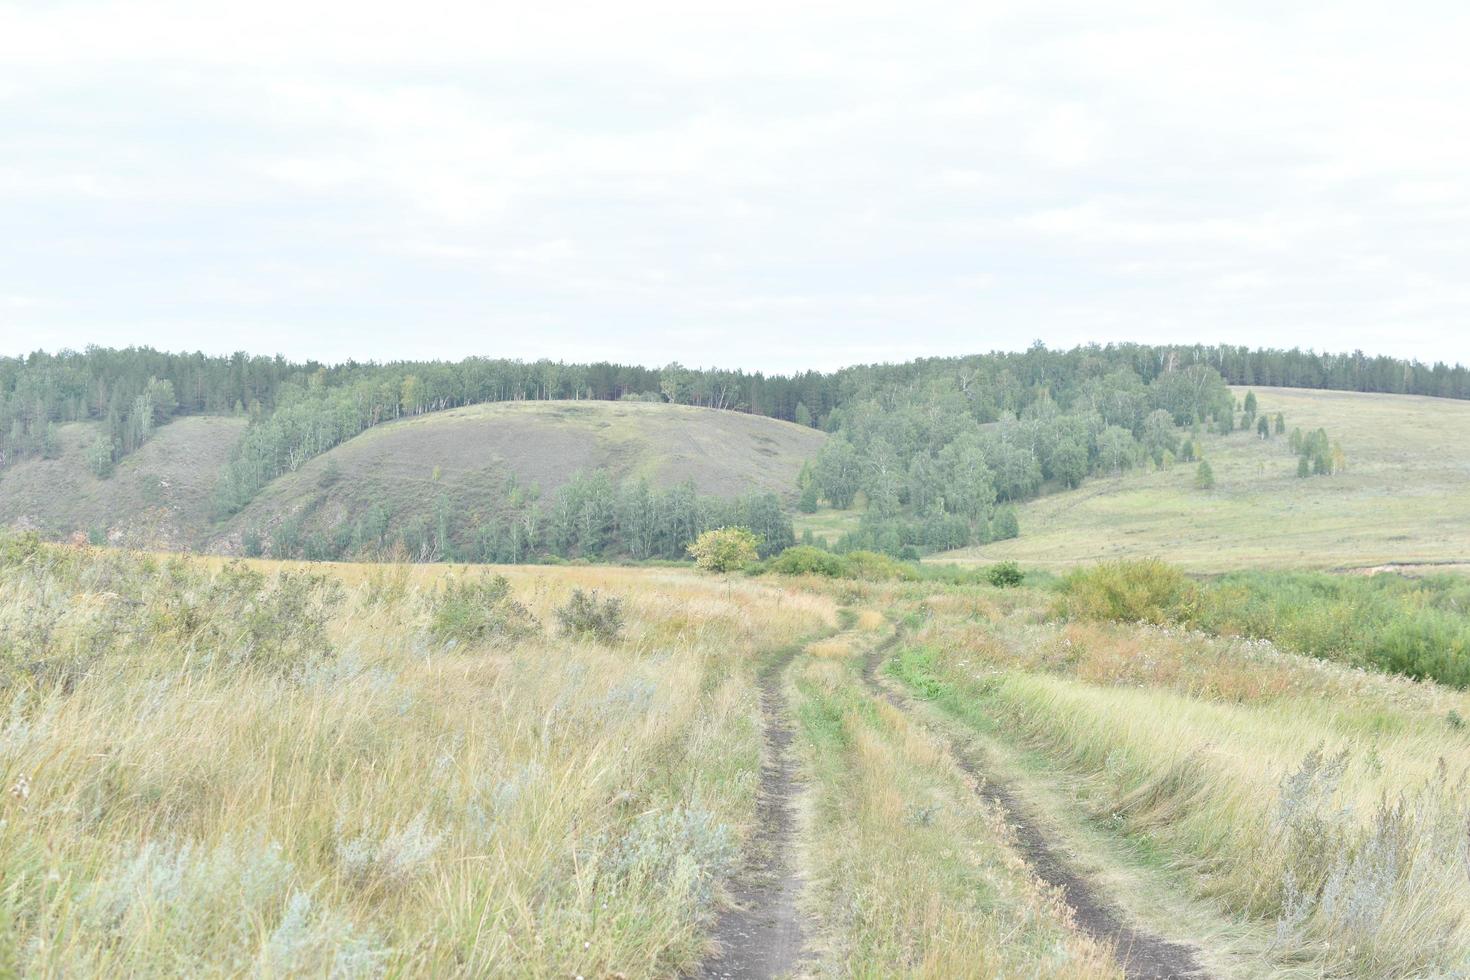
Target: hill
column 471, row 456
column 1402, row 498
column 158, row 497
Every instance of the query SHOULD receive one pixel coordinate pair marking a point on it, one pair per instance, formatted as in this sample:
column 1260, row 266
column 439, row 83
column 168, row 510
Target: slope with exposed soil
column 469, row 457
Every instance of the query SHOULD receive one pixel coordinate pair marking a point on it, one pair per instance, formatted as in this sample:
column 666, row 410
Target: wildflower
column 22, row 788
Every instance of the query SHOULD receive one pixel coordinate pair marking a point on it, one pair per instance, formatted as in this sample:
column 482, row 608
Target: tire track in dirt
column 1141, row 954
column 760, row 936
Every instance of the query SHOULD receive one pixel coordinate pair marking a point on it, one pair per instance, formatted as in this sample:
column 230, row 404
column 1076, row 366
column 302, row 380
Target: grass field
column 1404, row 497
column 828, row 523
column 287, row 769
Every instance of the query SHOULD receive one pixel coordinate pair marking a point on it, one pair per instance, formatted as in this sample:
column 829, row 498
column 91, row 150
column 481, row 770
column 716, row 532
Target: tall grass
column 1328, row 803
column 914, row 874
column 360, row 794
column 1420, row 628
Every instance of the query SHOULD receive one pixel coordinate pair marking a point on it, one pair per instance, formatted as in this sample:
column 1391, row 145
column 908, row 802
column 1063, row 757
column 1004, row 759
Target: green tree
column 807, row 502
column 1006, row 524
column 1250, row 408
column 724, row 549
column 1069, row 463
column 100, row 457
column 803, row 415
column 1159, row 434
column 1116, row 449
column 1280, row 424
column 839, row 472
column 1204, row 476
column 1303, row 468
column 1263, row 427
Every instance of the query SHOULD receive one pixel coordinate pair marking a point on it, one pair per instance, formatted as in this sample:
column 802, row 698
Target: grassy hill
column 159, row 496
column 468, row 455
column 1404, row 497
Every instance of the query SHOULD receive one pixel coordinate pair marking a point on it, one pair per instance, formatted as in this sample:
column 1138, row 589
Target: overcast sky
column 773, row 185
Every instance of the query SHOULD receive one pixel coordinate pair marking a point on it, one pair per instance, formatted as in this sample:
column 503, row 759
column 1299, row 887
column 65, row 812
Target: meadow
column 253, row 768
column 1402, row 498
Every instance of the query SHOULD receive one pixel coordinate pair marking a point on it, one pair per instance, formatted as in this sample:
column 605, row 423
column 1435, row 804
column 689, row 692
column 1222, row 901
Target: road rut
column 1141, row 954
column 760, row 936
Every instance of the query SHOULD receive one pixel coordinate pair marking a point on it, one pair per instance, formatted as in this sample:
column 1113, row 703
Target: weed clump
column 480, row 611
column 804, row 559
column 586, row 615
column 685, row 849
column 1382, row 896
column 1145, row 591
column 869, row 566
column 874, row 566
column 1004, row 575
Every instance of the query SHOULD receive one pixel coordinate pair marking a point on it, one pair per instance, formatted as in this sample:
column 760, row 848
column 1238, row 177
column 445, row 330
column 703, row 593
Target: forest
column 938, row 448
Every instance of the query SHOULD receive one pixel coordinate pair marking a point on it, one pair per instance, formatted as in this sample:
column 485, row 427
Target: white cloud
column 804, row 184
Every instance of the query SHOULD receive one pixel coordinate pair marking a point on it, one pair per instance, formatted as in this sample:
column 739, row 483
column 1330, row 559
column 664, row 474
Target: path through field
column 1141, row 954
column 760, row 936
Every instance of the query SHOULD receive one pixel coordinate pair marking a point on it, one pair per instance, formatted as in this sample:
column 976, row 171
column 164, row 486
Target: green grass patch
column 1416, row 627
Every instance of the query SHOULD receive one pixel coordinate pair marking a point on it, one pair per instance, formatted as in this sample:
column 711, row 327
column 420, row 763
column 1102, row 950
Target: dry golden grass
column 1323, row 799
column 547, row 809
column 834, row 648
column 913, row 874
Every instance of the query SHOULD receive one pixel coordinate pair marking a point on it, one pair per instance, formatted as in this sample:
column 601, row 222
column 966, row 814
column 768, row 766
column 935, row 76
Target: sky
column 766, row 185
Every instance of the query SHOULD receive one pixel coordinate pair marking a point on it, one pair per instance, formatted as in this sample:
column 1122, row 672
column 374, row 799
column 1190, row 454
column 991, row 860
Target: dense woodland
column 590, row 517
column 938, row 448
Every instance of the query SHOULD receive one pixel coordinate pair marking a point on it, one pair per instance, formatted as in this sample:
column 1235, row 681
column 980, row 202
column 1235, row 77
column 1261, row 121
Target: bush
column 808, row 560
column 1414, row 627
column 1005, row 525
column 725, row 549
column 480, row 611
column 1005, row 575
column 586, row 615
column 874, row 566
column 1145, row 591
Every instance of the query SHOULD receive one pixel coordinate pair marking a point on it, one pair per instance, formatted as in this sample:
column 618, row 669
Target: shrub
column 807, row 502
column 808, row 560
column 1413, row 627
column 1005, row 525
column 1204, row 476
column 1148, row 591
column 584, row 614
column 725, row 549
column 874, row 566
column 1005, row 575
column 480, row 611
column 241, row 617
column 100, row 457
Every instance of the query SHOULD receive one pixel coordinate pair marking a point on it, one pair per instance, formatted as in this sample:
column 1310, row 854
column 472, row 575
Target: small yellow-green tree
column 724, row 549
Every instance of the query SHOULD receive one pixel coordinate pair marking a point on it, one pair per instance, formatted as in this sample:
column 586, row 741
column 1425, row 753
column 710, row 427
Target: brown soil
column 760, row 936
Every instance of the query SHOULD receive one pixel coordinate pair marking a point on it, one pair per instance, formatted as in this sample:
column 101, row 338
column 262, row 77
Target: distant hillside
column 471, row 456
column 1404, row 496
column 158, row 497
